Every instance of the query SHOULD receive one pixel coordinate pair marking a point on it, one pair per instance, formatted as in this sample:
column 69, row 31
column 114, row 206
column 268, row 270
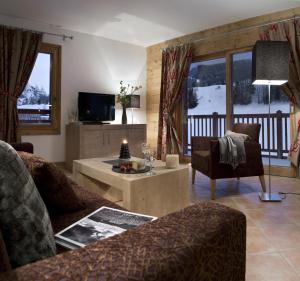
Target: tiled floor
column 273, row 229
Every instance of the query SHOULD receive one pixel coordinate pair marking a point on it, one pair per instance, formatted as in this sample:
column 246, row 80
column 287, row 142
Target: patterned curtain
column 18, row 52
column 289, row 31
column 175, row 67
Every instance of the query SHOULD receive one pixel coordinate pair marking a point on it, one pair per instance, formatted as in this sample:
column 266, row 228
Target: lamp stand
column 269, row 196
column 131, row 115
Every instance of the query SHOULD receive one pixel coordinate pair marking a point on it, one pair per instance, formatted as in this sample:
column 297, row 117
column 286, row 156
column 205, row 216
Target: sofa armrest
column 201, row 143
column 23, row 146
column 204, row 241
column 214, row 150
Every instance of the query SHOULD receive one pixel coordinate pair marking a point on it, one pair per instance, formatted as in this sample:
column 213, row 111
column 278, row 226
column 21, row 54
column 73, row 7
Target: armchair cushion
column 54, row 186
column 252, row 130
column 24, row 221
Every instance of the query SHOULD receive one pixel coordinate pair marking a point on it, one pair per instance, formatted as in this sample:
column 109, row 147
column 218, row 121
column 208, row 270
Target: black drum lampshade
column 270, row 63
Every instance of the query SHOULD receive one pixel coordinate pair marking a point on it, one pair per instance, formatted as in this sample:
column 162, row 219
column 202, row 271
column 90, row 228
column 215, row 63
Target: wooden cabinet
column 90, row 141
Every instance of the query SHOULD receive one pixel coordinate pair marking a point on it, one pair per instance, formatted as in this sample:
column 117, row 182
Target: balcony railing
column 274, row 135
column 34, row 116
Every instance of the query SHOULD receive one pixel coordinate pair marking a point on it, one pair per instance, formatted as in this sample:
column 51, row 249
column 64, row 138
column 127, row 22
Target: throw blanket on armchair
column 232, row 149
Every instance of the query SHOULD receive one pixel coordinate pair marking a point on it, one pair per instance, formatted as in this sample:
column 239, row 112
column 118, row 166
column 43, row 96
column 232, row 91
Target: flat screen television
column 93, row 107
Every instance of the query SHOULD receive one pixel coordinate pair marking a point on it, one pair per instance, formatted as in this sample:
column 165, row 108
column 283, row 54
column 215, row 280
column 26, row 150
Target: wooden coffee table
column 165, row 192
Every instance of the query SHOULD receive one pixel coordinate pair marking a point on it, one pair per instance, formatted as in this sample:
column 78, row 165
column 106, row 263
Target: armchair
column 206, row 157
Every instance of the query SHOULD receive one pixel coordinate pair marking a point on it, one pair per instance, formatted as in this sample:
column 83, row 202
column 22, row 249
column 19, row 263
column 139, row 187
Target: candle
column 172, row 161
column 124, row 151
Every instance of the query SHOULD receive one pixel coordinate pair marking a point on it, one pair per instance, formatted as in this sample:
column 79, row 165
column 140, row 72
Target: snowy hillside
column 213, row 99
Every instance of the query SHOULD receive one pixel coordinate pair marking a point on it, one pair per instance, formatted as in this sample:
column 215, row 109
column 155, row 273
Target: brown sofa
column 205, row 241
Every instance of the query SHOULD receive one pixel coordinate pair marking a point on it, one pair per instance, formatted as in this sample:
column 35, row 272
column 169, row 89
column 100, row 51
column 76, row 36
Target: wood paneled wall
column 235, row 40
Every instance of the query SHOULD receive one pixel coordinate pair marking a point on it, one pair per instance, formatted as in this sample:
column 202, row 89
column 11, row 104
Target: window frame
column 55, row 94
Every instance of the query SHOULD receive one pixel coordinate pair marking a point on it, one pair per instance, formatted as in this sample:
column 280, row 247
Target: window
column 220, row 93
column 39, row 104
column 250, row 104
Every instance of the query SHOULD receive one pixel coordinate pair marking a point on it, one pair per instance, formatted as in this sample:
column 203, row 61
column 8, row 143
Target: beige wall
column 211, row 45
column 89, row 63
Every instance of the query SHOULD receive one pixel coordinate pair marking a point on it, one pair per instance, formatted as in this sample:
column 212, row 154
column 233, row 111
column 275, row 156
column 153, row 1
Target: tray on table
column 115, row 167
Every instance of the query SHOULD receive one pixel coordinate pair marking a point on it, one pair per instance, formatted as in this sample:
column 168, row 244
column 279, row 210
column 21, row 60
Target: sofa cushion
column 54, row 186
column 24, row 220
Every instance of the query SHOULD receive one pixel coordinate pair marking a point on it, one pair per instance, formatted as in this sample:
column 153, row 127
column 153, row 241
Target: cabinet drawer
column 91, row 144
column 92, row 141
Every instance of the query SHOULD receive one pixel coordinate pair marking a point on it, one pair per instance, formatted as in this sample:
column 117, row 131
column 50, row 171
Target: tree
column 192, row 99
column 242, row 92
column 33, row 95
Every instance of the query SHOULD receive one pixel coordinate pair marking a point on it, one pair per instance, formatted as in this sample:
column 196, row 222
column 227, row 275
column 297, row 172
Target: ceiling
column 140, row 22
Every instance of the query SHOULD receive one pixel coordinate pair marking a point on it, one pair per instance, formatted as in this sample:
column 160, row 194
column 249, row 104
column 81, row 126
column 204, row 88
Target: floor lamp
column 134, row 103
column 270, row 66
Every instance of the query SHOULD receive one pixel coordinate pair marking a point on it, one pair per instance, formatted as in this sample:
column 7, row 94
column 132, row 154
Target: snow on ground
column 213, row 99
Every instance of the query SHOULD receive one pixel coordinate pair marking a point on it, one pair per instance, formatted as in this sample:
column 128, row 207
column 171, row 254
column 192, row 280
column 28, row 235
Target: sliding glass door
column 220, row 93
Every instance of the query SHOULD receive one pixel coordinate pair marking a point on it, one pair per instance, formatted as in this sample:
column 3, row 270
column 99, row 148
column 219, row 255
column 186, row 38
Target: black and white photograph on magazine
column 124, row 220
column 101, row 224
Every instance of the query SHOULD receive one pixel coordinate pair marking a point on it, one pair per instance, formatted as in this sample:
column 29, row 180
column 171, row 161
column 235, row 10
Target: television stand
column 94, row 141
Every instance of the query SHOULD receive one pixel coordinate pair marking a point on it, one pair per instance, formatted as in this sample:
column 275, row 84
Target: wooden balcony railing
column 274, row 135
column 34, row 116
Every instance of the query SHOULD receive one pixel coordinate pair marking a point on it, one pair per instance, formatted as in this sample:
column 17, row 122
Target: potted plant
column 124, row 98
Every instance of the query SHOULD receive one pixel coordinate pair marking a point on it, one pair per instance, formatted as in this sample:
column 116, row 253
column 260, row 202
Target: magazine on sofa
column 102, row 223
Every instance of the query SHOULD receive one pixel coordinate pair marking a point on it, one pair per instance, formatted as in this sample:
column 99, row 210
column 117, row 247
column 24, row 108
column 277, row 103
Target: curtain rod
column 63, row 36
column 233, row 31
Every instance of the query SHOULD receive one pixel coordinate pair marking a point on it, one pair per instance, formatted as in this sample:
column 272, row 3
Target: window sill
column 36, row 129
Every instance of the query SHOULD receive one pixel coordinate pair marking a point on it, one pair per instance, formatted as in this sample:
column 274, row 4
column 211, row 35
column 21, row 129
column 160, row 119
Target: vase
column 124, row 115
